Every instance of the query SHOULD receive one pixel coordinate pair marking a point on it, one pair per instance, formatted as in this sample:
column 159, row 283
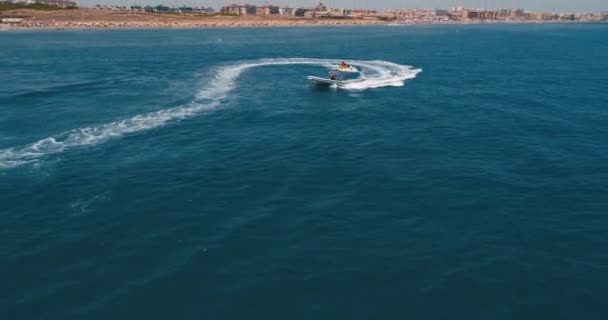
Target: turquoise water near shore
column 162, row 174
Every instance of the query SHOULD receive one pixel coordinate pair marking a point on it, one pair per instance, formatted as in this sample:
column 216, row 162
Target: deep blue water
column 165, row 174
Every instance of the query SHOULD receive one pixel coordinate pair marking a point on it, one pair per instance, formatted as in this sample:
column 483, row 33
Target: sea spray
column 374, row 74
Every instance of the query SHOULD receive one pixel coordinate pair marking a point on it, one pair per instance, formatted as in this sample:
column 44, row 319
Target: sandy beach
column 97, row 19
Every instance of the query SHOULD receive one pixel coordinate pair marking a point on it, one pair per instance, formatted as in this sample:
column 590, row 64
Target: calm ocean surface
column 195, row 174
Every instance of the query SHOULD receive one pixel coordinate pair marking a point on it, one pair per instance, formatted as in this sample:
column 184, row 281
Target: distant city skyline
column 536, row 5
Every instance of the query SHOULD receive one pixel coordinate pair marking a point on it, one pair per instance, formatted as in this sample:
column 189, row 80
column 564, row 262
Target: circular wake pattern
column 373, row 74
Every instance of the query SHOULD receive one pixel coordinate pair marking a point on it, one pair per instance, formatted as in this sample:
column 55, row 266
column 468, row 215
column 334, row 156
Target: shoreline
column 88, row 19
column 261, row 25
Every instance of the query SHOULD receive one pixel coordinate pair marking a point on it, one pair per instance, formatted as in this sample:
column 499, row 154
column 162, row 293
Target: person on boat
column 333, row 76
column 344, row 65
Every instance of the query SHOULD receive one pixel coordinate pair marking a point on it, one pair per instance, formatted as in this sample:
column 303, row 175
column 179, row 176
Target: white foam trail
column 374, row 74
column 12, row 157
column 377, row 74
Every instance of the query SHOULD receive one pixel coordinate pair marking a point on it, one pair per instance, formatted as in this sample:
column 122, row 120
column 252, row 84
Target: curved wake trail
column 373, row 74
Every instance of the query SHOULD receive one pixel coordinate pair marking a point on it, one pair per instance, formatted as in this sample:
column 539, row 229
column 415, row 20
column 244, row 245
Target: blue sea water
column 195, row 174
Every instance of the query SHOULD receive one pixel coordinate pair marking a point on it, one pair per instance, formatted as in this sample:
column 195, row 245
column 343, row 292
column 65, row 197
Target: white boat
column 324, row 81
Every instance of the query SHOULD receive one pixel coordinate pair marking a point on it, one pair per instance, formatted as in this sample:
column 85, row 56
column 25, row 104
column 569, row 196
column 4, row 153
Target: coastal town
column 68, row 14
column 457, row 14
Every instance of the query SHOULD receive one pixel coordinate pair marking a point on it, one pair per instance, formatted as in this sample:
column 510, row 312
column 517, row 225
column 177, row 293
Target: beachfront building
column 287, row 11
column 321, row 10
column 567, row 17
column 464, row 14
column 231, row 9
column 399, row 14
column 320, row 7
column 182, row 9
column 488, row 15
column 363, row 13
column 262, row 11
column 479, row 14
column 58, row 3
column 185, row 9
column 204, row 10
column 267, row 10
column 547, row 16
column 162, row 9
column 239, row 9
column 511, row 14
column 469, row 14
column 442, row 13
column 310, row 13
column 337, row 12
column 11, row 20
column 418, row 15
column 19, row 1
column 299, row 12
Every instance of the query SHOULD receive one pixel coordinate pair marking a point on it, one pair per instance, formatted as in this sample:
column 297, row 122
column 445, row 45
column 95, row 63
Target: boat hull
column 324, row 81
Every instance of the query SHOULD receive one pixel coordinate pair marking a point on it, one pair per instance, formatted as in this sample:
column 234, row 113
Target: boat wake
column 373, row 74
